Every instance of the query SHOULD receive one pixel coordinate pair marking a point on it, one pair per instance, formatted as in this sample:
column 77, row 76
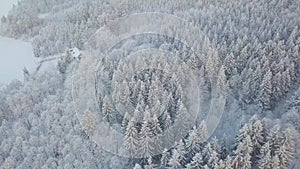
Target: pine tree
column 65, row 61
column 206, row 167
column 89, row 122
column 287, row 80
column 229, row 64
column 107, row 110
column 143, row 96
column 207, row 152
column 164, row 159
column 256, row 80
column 244, row 132
column 165, row 99
column 212, row 66
column 182, row 119
column 180, row 147
column 135, row 91
column 150, row 165
column 146, row 134
column 168, row 122
column 278, row 86
column 274, row 139
column 275, row 162
column 221, row 82
column 215, row 145
column 266, row 91
column 2, row 116
column 157, row 108
column 197, row 161
column 292, row 38
column 242, row 59
column 156, row 130
column 228, row 163
column 266, row 161
column 188, row 166
column 168, row 134
column 242, row 158
column 156, row 125
column 257, row 135
column 138, row 113
column 213, row 161
column 221, row 165
column 156, row 90
column 193, row 142
column 202, row 132
column 194, row 61
column 224, row 149
column 131, row 142
column 286, row 150
column 174, row 162
column 137, row 166
column 125, row 121
column 9, row 163
column 124, row 94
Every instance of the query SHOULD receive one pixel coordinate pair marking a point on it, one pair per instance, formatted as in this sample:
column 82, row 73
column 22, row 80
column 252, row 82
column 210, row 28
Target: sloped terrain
column 117, row 106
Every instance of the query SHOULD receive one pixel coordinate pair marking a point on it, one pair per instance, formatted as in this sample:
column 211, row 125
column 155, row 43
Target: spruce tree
column 131, row 142
column 197, row 161
column 266, row 91
column 286, row 149
column 164, row 159
column 174, row 162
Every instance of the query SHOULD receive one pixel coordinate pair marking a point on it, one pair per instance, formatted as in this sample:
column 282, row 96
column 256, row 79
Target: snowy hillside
column 154, row 85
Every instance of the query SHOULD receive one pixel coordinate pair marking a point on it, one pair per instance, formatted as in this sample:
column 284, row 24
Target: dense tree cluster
column 253, row 58
column 39, row 128
column 255, row 147
column 257, row 41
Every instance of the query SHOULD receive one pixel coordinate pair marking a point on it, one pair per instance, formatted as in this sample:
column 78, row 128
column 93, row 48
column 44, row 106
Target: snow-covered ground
column 6, row 5
column 14, row 54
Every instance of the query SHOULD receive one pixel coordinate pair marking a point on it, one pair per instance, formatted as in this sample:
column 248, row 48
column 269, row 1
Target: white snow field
column 14, row 54
column 6, row 5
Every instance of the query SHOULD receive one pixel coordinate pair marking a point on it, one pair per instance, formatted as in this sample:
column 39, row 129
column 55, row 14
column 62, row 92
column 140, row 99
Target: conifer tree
column 266, row 91
column 286, row 150
column 202, row 132
column 228, row 163
column 180, row 147
column 107, row 110
column 131, row 141
column 89, row 122
column 150, row 165
column 224, row 149
column 266, row 161
column 125, row 121
column 213, row 161
column 174, row 162
column 164, row 158
column 137, row 166
column 275, row 162
column 197, row 162
column 242, row 158
column 193, row 142
column 146, row 134
column 229, row 64
column 274, row 139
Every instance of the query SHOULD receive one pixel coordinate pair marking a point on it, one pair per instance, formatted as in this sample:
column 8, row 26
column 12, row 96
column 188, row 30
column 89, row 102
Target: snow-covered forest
column 219, row 91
